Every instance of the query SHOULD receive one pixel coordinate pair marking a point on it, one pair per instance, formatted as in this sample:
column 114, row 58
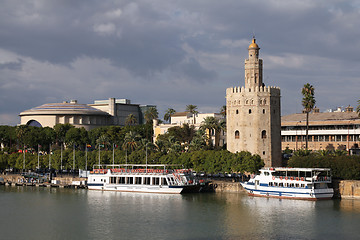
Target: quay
column 344, row 189
column 56, row 182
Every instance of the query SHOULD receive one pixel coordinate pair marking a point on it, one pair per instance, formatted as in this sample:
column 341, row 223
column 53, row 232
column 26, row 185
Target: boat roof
column 274, row 169
column 134, row 165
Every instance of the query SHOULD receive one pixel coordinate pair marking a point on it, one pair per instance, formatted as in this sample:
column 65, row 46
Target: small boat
column 149, row 178
column 293, row 183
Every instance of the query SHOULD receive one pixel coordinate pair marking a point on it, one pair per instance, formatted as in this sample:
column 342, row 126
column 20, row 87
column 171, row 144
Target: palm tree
column 223, row 111
column 168, row 113
column 131, row 140
column 193, row 110
column 308, row 102
column 131, row 120
column 151, row 114
column 358, row 107
column 211, row 123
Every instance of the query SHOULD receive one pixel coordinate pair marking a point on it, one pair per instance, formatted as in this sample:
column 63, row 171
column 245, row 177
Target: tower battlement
column 265, row 89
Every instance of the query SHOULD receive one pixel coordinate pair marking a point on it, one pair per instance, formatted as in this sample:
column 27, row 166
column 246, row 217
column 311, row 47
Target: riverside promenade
column 62, row 181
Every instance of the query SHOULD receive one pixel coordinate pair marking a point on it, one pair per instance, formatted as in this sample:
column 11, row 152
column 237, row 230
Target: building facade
column 100, row 113
column 79, row 115
column 181, row 118
column 338, row 130
column 253, row 114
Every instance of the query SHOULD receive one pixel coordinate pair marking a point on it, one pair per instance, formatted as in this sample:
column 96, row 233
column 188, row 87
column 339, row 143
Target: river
column 55, row 213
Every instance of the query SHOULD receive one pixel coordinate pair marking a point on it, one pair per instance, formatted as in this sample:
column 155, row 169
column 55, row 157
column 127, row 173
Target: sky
column 175, row 53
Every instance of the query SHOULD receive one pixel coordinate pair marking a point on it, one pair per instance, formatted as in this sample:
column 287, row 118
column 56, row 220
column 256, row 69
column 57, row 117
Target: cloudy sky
column 174, row 53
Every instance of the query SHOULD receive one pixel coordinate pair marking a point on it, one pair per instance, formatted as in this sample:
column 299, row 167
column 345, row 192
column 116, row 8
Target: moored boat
column 148, row 178
column 294, row 183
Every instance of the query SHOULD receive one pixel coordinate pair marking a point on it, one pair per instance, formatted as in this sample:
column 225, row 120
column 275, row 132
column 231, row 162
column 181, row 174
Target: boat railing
column 141, row 171
column 322, row 179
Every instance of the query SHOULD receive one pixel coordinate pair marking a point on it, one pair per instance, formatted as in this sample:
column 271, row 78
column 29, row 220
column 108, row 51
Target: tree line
column 76, row 148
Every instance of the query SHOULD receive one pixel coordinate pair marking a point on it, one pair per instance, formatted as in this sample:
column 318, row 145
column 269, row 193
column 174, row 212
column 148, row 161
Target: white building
column 181, row 118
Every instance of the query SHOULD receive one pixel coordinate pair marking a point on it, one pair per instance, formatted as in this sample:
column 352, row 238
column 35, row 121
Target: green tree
column 169, row 112
column 131, row 120
column 212, row 124
column 358, row 108
column 131, row 141
column 223, row 111
column 308, row 102
column 151, row 114
column 193, row 110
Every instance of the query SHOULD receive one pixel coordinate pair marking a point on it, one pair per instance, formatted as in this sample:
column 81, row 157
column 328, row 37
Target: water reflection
column 81, row 214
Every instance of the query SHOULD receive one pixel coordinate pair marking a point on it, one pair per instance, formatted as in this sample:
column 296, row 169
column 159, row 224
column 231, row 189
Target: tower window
column 263, row 134
column 237, row 111
column 263, row 111
column 249, row 111
column 237, row 134
column 263, row 152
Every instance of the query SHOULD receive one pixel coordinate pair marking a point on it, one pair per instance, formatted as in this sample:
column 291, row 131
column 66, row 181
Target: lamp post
column 296, row 138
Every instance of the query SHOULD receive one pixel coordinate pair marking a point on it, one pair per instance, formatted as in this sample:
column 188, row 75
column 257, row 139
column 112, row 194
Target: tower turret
column 253, row 67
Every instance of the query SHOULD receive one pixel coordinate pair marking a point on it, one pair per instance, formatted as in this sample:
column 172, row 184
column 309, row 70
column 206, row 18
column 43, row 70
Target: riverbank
column 343, row 189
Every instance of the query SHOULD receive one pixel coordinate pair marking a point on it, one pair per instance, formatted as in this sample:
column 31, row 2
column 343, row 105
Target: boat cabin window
column 112, row 179
column 281, row 184
column 137, row 180
column 155, row 181
column 147, row 180
column 293, row 174
column 163, row 181
column 296, row 185
column 302, row 185
column 275, row 184
column 309, row 185
column 122, row 180
column 130, row 180
column 305, row 174
column 271, row 184
column 266, row 173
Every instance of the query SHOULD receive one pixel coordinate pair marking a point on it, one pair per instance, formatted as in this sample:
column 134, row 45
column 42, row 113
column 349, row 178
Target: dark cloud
column 174, row 53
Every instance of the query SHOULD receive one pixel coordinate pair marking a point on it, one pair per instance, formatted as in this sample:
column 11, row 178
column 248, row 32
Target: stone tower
column 253, row 114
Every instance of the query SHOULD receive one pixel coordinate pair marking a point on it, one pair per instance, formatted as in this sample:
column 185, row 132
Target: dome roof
column 63, row 108
column 253, row 44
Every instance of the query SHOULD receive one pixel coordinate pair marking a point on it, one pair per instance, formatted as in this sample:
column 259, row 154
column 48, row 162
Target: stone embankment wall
column 12, row 177
column 346, row 189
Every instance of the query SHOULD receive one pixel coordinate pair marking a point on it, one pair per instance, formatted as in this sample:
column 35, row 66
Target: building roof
column 321, row 118
column 253, row 44
column 180, row 114
column 63, row 108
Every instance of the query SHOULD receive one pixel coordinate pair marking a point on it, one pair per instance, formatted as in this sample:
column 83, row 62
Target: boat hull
column 289, row 193
column 145, row 188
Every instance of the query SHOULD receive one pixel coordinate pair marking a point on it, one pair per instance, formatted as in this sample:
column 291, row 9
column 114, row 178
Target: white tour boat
column 294, row 183
column 142, row 178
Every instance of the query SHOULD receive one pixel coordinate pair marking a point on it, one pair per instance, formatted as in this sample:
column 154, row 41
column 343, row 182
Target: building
column 181, row 118
column 100, row 113
column 327, row 130
column 253, row 114
column 79, row 115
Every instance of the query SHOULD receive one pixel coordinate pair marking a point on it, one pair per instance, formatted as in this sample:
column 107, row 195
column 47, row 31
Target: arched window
column 249, row 111
column 237, row 134
column 261, row 102
column 263, row 111
column 34, row 123
column 247, row 102
column 263, row 134
column 237, row 111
